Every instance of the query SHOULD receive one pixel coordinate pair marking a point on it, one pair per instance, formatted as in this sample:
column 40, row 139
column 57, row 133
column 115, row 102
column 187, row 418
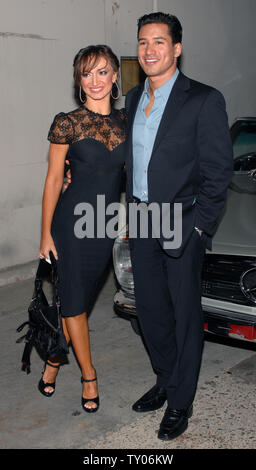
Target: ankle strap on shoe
column 88, row 380
column 52, row 365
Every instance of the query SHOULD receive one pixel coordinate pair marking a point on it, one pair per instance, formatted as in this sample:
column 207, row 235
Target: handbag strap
column 55, row 278
column 54, row 266
column 47, row 271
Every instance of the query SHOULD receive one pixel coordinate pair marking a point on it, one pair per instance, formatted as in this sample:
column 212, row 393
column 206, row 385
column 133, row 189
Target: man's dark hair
column 175, row 28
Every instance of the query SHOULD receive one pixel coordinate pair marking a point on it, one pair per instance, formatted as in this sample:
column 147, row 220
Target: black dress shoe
column 174, row 423
column 152, row 400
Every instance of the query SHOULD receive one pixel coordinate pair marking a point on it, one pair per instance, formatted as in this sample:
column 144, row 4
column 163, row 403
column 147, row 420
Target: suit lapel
column 175, row 101
column 133, row 106
column 131, row 115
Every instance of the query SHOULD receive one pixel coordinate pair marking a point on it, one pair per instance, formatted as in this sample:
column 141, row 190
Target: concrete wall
column 219, row 47
column 38, row 41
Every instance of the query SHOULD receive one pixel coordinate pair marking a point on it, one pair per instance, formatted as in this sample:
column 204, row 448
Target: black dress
column 96, row 155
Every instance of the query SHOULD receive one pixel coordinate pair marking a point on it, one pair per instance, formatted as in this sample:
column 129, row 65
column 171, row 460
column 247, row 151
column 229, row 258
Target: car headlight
column 248, row 284
column 122, row 263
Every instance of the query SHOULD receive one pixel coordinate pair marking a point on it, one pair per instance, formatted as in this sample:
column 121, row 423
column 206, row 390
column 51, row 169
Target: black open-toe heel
column 95, row 400
column 42, row 385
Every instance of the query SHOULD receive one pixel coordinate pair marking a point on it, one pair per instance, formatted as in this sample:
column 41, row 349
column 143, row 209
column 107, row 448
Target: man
column 178, row 150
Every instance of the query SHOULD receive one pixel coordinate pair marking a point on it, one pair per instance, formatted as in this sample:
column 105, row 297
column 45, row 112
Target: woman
column 92, row 138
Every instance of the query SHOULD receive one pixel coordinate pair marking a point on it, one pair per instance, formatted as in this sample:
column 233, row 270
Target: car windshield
column 243, row 136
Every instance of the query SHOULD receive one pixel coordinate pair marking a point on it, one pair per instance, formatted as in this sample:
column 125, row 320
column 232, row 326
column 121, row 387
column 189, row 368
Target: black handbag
column 44, row 319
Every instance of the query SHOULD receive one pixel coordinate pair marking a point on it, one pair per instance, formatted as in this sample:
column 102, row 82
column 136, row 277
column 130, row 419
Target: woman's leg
column 50, row 373
column 78, row 331
column 65, row 330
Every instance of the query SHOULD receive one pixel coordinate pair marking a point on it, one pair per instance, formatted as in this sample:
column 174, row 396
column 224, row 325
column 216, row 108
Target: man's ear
column 177, row 49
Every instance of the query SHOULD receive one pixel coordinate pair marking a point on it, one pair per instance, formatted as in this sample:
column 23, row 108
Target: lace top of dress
column 82, row 123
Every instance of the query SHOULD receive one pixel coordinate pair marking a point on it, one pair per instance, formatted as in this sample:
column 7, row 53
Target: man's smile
column 150, row 61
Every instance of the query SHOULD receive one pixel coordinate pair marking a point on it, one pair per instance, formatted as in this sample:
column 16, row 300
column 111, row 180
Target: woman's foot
column 90, row 398
column 47, row 383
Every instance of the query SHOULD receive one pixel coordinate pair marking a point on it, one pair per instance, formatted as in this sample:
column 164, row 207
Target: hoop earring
column 80, row 95
column 118, row 91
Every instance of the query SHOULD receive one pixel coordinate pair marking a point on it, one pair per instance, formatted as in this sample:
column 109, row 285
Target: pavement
column 224, row 408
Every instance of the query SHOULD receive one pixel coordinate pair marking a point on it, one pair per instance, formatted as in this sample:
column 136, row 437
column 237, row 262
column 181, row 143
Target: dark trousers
column 168, row 303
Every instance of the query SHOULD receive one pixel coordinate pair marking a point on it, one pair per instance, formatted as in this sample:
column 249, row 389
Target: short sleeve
column 61, row 130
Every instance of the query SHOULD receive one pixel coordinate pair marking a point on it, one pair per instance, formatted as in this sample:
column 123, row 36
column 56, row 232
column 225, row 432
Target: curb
column 18, row 273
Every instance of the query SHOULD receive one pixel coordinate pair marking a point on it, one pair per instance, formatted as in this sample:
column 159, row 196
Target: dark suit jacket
column 192, row 157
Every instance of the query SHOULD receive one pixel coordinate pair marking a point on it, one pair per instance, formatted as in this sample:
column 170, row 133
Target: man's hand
column 67, row 176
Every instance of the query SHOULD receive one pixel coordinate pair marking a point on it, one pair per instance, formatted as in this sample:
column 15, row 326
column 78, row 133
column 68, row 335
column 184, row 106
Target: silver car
column 229, row 271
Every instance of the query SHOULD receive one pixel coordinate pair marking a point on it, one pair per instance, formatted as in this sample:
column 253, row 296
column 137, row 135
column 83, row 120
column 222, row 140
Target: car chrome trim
column 249, row 292
column 221, row 277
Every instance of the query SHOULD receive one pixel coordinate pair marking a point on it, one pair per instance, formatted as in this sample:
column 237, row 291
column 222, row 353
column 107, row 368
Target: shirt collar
column 165, row 90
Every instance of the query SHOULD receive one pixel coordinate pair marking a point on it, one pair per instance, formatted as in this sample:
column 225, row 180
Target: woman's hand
column 52, row 190
column 47, row 245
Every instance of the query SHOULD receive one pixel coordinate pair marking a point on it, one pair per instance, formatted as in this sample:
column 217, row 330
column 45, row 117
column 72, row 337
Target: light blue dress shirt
column 144, row 134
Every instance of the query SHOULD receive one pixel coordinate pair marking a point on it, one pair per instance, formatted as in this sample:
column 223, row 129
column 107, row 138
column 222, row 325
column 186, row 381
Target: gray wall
column 38, row 41
column 219, row 47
